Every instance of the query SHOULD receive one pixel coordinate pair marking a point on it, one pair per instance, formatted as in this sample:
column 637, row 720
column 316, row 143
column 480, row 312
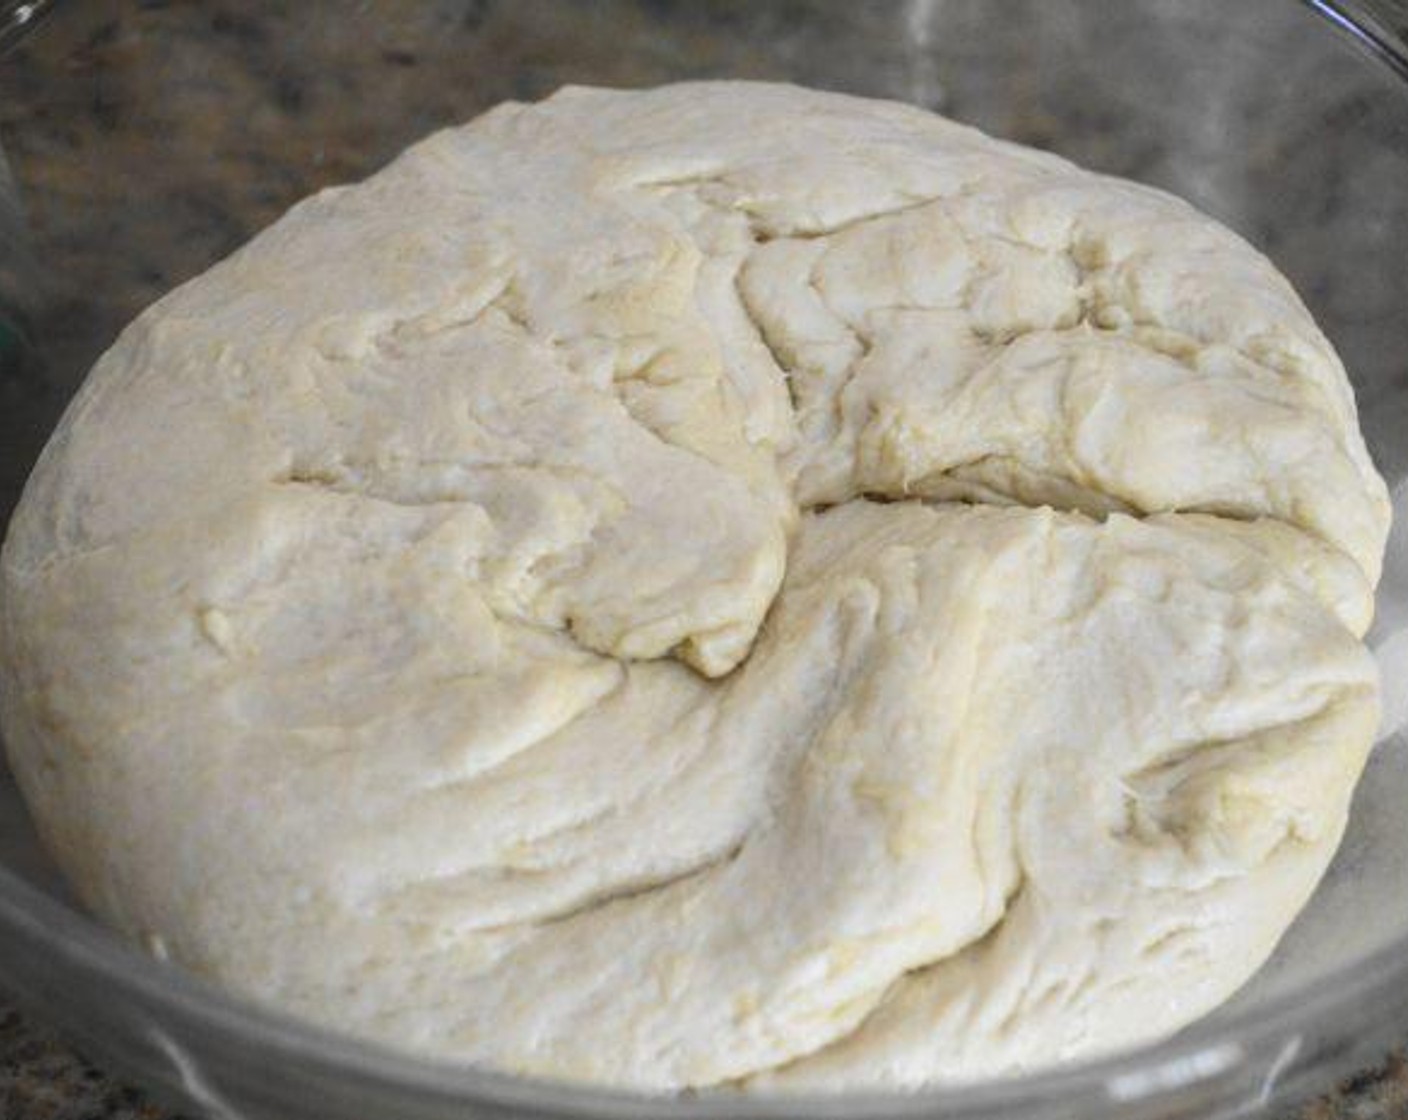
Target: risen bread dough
column 586, row 600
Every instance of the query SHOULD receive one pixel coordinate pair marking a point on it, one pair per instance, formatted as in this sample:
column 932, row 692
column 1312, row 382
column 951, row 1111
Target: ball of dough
column 725, row 583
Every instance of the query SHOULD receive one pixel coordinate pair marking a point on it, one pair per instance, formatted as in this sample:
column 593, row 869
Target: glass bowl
column 151, row 140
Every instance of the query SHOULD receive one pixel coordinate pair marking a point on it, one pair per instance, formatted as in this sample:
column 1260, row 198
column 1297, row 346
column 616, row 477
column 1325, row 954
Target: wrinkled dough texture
column 722, row 584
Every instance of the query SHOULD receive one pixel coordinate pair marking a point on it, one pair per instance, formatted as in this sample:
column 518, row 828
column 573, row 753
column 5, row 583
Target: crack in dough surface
column 839, row 602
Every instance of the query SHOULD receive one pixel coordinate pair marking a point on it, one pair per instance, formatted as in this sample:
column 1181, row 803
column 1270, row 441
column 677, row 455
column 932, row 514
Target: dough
column 726, row 583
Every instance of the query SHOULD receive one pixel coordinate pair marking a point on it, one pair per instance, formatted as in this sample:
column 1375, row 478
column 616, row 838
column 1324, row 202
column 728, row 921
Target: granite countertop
column 203, row 122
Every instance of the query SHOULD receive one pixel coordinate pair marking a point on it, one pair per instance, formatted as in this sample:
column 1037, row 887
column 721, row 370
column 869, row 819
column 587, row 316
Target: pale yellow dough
column 588, row 601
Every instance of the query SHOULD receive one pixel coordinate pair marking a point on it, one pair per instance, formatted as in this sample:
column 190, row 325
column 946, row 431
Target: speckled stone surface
column 41, row 1078
column 151, row 138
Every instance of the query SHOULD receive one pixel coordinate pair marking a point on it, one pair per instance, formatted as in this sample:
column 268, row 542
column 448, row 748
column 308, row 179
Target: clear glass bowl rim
column 1366, row 998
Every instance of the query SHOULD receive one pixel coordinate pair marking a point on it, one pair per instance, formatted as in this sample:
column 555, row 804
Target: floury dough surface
column 720, row 584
